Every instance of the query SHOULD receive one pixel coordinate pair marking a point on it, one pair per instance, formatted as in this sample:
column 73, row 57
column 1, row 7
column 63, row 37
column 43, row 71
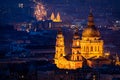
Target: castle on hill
column 85, row 51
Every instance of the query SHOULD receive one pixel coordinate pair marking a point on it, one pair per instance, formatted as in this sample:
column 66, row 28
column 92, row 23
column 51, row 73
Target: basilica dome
column 91, row 31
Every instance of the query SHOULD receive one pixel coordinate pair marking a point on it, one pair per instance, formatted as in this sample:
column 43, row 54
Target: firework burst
column 40, row 12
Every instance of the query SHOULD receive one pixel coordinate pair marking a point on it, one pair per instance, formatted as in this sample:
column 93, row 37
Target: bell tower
column 60, row 48
column 76, row 47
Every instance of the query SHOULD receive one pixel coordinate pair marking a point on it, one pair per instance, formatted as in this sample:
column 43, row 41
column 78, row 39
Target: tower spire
column 58, row 18
column 60, row 47
column 90, row 19
column 52, row 16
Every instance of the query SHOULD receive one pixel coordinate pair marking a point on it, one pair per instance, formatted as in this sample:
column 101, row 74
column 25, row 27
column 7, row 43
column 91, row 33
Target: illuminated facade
column 91, row 45
column 57, row 18
column 88, row 49
column 61, row 60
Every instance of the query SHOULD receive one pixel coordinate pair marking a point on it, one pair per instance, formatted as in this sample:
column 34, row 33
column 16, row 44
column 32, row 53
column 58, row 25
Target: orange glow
column 57, row 18
column 40, row 11
column 89, row 47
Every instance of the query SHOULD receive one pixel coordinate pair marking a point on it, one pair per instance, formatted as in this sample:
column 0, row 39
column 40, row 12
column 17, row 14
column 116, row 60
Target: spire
column 52, row 16
column 58, row 18
column 90, row 19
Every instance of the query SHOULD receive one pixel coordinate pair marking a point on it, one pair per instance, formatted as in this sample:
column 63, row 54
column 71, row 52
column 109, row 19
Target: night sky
column 9, row 8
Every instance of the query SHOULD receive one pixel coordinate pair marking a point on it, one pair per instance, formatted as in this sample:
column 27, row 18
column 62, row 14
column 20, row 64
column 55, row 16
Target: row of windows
column 95, row 48
column 76, row 58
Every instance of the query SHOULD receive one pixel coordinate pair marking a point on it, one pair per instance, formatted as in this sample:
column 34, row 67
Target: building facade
column 91, row 44
column 88, row 49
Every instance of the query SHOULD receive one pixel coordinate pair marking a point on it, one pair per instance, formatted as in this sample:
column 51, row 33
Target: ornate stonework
column 89, row 48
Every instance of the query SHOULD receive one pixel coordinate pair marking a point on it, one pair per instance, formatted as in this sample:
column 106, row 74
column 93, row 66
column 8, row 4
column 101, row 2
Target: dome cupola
column 90, row 30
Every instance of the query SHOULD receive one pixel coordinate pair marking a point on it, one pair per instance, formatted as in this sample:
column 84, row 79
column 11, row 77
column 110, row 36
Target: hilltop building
column 57, row 18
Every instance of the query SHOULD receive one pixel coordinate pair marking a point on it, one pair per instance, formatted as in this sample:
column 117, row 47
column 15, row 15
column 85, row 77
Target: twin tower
column 57, row 18
column 90, row 46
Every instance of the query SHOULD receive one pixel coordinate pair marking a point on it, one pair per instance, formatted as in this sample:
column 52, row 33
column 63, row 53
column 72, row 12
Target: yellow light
column 40, row 11
column 77, row 43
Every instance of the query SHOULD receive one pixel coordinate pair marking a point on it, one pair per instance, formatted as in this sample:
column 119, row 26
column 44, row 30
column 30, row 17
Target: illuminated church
column 85, row 51
column 57, row 18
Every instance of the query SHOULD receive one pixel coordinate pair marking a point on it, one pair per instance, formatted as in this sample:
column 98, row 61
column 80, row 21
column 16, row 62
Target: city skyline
column 59, row 40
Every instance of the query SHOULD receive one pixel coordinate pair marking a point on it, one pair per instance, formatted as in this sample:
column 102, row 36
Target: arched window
column 91, row 48
column 84, row 48
column 87, row 49
column 98, row 48
column 73, row 57
column 77, row 57
column 61, row 55
column 95, row 48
